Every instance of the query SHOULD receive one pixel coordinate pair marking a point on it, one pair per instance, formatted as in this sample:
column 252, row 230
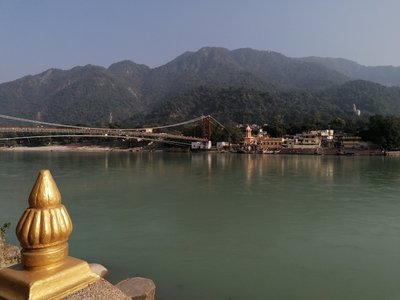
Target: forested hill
column 242, row 86
column 244, row 105
column 385, row 75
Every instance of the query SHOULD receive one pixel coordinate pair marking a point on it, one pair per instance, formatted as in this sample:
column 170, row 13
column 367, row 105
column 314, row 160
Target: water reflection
column 259, row 165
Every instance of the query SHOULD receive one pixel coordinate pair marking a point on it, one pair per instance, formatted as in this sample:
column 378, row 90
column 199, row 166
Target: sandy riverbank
column 68, row 148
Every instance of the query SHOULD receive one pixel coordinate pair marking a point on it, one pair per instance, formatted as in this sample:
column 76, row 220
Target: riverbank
column 334, row 151
column 92, row 148
column 70, row 148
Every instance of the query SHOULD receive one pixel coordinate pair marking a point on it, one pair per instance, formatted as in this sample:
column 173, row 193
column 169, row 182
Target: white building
column 221, row 145
column 201, row 145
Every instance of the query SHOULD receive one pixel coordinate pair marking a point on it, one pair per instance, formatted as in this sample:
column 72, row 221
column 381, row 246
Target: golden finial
column 45, row 193
column 46, row 272
column 45, row 226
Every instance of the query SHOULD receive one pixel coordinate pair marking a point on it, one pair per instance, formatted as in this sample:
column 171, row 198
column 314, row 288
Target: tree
column 277, row 127
column 383, row 131
column 338, row 124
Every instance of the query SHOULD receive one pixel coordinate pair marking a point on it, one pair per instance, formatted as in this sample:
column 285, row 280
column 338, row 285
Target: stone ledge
column 9, row 255
column 138, row 288
column 98, row 269
column 99, row 290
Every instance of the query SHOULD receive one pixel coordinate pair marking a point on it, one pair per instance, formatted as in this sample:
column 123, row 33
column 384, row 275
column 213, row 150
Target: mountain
column 236, row 86
column 84, row 95
column 385, row 75
column 242, row 67
column 219, row 67
column 238, row 105
column 286, row 72
column 244, row 105
column 131, row 75
column 208, row 66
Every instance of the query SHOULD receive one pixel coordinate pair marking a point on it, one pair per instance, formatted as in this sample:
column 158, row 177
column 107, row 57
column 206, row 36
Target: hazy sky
column 37, row 35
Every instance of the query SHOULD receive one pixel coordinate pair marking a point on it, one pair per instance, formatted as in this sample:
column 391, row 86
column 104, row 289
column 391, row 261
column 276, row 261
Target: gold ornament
column 46, row 271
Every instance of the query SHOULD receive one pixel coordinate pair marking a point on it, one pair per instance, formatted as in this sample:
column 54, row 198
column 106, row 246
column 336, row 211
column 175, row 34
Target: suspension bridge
column 40, row 129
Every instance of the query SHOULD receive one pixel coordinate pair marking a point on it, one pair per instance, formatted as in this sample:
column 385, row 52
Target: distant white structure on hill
column 356, row 111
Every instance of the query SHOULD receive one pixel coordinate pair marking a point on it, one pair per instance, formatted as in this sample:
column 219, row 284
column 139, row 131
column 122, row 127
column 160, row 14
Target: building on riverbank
column 351, row 142
column 262, row 142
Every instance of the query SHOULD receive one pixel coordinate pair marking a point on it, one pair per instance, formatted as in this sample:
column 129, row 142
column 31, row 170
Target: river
column 226, row 226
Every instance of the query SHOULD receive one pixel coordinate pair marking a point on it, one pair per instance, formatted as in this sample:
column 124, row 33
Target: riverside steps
column 46, row 271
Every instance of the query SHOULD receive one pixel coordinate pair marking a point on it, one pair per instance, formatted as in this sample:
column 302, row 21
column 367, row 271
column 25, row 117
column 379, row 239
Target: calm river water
column 225, row 226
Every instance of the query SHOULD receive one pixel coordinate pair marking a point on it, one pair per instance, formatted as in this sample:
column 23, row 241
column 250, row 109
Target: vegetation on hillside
column 89, row 94
column 386, row 75
column 308, row 109
column 383, row 131
column 242, row 86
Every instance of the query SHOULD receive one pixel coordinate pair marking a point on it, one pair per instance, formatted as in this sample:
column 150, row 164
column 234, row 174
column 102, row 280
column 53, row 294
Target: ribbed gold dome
column 45, row 193
column 45, row 226
column 40, row 228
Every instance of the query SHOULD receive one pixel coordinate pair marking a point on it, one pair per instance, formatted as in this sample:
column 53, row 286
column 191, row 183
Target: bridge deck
column 100, row 131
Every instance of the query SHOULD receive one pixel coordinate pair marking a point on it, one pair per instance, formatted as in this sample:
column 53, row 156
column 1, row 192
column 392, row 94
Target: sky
column 38, row 35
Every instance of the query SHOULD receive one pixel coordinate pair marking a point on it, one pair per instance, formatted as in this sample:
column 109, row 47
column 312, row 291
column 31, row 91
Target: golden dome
column 44, row 225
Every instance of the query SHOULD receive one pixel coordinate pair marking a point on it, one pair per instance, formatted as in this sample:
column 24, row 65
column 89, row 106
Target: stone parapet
column 100, row 290
column 9, row 255
column 138, row 288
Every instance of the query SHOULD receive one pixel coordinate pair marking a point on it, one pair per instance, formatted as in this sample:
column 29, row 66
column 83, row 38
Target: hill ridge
column 136, row 93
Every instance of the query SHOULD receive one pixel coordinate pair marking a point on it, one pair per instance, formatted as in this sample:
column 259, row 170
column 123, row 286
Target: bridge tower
column 206, row 121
